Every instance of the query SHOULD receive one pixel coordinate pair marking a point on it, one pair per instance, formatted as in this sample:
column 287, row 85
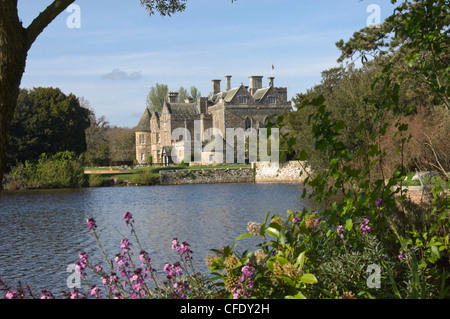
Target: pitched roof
column 261, row 93
column 183, row 109
column 230, row 94
column 144, row 122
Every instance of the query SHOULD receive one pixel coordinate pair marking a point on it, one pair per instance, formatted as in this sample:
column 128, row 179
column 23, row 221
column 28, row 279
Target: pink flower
column 45, row 294
column 125, row 245
column 340, row 231
column 128, row 217
column 365, row 226
column 11, row 294
column 91, row 223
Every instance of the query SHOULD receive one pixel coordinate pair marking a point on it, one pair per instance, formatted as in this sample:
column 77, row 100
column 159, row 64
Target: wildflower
column 172, row 270
column 296, row 220
column 182, row 248
column 365, row 226
column 260, row 256
column 45, row 294
column 91, row 223
column 11, row 294
column 128, row 217
column 94, row 291
column 125, row 245
column 75, row 294
column 402, row 255
column 253, row 228
column 231, row 261
column 340, row 231
column 245, row 283
column 379, row 202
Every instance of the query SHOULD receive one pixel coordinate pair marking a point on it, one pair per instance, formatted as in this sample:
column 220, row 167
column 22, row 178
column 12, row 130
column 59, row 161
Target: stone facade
column 239, row 107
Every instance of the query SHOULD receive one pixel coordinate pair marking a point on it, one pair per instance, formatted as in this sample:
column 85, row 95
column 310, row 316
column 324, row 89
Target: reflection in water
column 43, row 231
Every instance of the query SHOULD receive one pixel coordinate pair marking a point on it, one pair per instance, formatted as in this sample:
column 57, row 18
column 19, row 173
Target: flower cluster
column 126, row 279
column 81, row 265
column 182, row 248
column 379, row 202
column 172, row 271
column 128, row 218
column 245, row 283
column 91, row 223
column 340, row 231
column 253, row 228
column 365, row 226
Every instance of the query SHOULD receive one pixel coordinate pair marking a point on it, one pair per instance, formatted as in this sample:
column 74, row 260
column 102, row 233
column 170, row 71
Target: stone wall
column 267, row 172
column 207, row 176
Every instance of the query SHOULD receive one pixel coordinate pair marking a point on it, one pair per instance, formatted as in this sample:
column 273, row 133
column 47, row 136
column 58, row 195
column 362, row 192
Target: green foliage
column 418, row 34
column 277, row 268
column 46, row 121
column 345, row 128
column 62, row 170
column 145, row 177
column 156, row 97
column 95, row 180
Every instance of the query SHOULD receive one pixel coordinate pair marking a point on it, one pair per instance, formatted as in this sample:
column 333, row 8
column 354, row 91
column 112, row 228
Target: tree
column 97, row 153
column 16, row 40
column 195, row 93
column 418, row 32
column 182, row 94
column 122, row 144
column 156, row 97
column 46, row 121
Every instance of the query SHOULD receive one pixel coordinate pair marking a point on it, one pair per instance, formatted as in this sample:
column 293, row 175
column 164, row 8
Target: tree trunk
column 13, row 53
column 15, row 41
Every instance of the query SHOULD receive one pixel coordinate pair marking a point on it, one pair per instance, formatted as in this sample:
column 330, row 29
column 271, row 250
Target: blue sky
column 119, row 52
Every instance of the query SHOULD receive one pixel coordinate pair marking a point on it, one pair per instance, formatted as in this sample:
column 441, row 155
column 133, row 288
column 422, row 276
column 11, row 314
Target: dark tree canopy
column 46, row 121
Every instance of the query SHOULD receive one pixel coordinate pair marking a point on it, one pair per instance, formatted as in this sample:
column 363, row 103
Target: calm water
column 43, row 231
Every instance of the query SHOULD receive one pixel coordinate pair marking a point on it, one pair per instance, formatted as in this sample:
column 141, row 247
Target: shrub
column 61, row 170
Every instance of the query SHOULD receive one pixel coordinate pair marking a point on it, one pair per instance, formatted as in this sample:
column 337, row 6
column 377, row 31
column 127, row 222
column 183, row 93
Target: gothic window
column 248, row 123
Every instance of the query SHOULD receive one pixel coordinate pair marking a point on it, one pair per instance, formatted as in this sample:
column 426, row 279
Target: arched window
column 248, row 123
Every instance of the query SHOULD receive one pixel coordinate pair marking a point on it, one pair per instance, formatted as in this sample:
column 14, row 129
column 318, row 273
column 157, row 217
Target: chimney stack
column 173, row 97
column 255, row 83
column 228, row 77
column 271, row 78
column 216, row 86
column 202, row 103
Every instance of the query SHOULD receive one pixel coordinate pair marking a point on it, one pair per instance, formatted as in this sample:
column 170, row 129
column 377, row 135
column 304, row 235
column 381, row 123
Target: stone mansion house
column 239, row 107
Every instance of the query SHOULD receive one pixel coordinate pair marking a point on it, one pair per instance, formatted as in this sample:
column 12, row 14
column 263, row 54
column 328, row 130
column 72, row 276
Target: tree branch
column 45, row 18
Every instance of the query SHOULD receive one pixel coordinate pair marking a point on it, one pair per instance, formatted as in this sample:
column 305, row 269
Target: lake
column 43, row 231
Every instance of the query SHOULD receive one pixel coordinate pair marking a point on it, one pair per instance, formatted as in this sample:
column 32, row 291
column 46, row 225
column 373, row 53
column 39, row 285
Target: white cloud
column 118, row 74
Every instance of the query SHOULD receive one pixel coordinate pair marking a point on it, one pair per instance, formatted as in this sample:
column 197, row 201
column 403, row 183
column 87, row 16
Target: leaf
column 273, row 230
column 299, row 295
column 435, row 251
column 308, row 279
column 348, row 224
column 243, row 236
column 270, row 263
column 282, row 261
column 300, row 260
